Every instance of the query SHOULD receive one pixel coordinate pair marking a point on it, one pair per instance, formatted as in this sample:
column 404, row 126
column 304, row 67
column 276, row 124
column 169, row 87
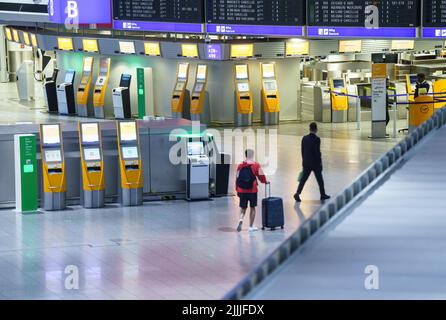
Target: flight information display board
column 363, row 18
column 260, row 17
column 434, row 18
column 159, row 15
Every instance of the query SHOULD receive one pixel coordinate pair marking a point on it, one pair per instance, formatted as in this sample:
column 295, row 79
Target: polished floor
column 162, row 250
column 399, row 231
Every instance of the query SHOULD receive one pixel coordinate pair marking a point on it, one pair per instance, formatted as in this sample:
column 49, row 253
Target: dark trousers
column 306, row 175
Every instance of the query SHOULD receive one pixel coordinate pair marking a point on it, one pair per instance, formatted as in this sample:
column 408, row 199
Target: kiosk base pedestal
column 339, row 116
column 205, row 116
column 82, row 110
column 241, row 119
column 186, row 108
column 132, row 197
column 99, row 112
column 93, row 199
column 53, row 201
column 378, row 130
column 270, row 118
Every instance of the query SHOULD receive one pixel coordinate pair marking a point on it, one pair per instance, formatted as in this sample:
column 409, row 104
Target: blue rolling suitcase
column 272, row 211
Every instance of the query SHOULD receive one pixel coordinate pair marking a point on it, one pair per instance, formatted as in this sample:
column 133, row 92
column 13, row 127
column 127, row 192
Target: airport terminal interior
column 122, row 125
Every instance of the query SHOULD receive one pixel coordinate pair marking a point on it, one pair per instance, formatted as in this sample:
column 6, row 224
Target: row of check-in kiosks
column 92, row 166
column 243, row 94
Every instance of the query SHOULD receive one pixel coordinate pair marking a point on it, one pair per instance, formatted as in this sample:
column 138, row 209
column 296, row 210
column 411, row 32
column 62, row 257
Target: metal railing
column 328, row 211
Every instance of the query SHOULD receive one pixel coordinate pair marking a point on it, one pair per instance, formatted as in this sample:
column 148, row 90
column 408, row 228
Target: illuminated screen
column 34, row 40
column 15, row 35
column 201, row 72
column 350, row 46
column 90, row 132
column 104, row 66
column 199, row 87
column 100, row 81
column 268, row 70
column 51, row 134
column 128, row 131
column 92, row 154
column 270, row 85
column 8, row 34
column 413, row 79
column 179, row 86
column 338, row 83
column 65, row 43
column 242, row 50
column 85, row 79
column 189, row 50
column 88, row 64
column 130, row 152
column 241, row 71
column 297, row 48
column 402, row 45
column 243, row 87
column 69, row 77
column 152, row 48
column 195, row 148
column 182, row 70
column 127, row 47
column 90, row 45
column 26, row 38
column 53, row 156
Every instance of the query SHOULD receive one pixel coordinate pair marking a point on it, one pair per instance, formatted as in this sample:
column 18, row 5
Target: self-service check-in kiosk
column 121, row 98
column 130, row 164
column 51, row 92
column 65, row 94
column 197, row 171
column 83, row 91
column 180, row 103
column 270, row 94
column 25, row 81
column 101, row 87
column 92, row 165
column 243, row 97
column 199, row 104
column 339, row 100
column 411, row 84
column 53, row 167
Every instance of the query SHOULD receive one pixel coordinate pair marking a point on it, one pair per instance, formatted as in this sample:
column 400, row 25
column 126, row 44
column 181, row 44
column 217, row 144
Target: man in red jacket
column 246, row 183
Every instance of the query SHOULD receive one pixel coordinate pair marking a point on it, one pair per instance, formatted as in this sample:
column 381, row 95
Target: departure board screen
column 256, row 17
column 434, row 12
column 159, row 15
column 351, row 13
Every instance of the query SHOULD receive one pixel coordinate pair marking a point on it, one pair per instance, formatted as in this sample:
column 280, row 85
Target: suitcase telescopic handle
column 267, row 190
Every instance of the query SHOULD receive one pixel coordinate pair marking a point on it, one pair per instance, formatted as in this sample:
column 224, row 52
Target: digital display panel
column 92, row 154
column 130, row 152
column 8, row 34
column 53, row 155
column 127, row 130
column 270, row 85
column 402, row 45
column 297, row 47
column 183, row 68
column 338, row 83
column 268, row 70
column 51, row 134
column 243, row 87
column 195, row 148
column 90, row 45
column 65, row 43
column 201, row 72
column 434, row 14
column 199, row 87
column 104, row 66
column 26, row 38
column 15, row 35
column 88, row 64
column 214, row 52
column 350, row 46
column 241, row 71
column 90, row 132
column 242, row 50
column 152, row 49
column 33, row 40
column 69, row 76
column 127, row 47
column 189, row 50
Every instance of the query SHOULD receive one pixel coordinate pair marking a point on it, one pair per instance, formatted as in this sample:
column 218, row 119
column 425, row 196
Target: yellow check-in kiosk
column 180, row 103
column 53, row 167
column 100, row 88
column 92, row 165
column 339, row 100
column 130, row 164
column 243, row 96
column 199, row 102
column 270, row 94
column 411, row 84
column 420, row 111
column 439, row 88
column 83, row 91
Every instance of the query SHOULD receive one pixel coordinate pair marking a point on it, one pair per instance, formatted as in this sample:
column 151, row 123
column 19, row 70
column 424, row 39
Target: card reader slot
column 245, row 98
column 55, row 171
column 98, row 91
column 81, row 89
column 175, row 96
column 94, row 169
column 195, row 98
column 132, row 167
column 271, row 97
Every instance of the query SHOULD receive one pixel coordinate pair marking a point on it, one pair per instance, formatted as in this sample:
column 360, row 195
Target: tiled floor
column 163, row 250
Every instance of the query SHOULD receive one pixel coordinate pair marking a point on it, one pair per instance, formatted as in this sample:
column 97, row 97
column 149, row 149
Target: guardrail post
column 395, row 131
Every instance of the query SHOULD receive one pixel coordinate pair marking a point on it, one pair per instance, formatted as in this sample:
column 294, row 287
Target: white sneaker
column 253, row 229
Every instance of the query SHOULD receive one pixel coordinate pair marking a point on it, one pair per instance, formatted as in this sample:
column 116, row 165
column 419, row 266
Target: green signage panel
column 141, row 93
column 26, row 173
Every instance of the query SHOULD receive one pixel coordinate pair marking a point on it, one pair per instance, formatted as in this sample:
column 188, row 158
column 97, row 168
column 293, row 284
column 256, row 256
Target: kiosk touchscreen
column 243, row 97
column 339, row 100
column 130, row 163
column 270, row 94
column 65, row 94
column 411, row 83
column 121, row 98
column 180, row 97
column 198, row 98
column 197, row 171
column 53, row 167
column 101, row 87
column 51, row 92
column 83, row 91
column 92, row 165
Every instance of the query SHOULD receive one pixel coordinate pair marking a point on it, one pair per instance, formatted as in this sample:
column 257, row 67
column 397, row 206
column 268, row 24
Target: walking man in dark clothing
column 312, row 162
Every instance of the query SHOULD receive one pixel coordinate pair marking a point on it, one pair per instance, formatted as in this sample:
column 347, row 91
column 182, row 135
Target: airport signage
column 292, row 31
column 158, row 26
column 436, row 33
column 214, row 52
column 336, row 32
column 75, row 12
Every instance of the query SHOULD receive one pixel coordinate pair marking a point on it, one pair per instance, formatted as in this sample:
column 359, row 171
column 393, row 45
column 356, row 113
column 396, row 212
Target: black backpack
column 246, row 178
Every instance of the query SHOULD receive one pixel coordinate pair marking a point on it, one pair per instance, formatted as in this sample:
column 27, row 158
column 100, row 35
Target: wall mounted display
column 152, row 49
column 214, row 52
column 90, row 45
column 350, row 46
column 79, row 11
column 363, row 18
column 261, row 17
column 15, row 35
column 159, row 15
column 297, row 47
column 65, row 44
column 239, row 51
column 26, row 38
column 189, row 50
column 8, row 33
column 127, row 47
column 401, row 45
column 434, row 19
column 34, row 40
